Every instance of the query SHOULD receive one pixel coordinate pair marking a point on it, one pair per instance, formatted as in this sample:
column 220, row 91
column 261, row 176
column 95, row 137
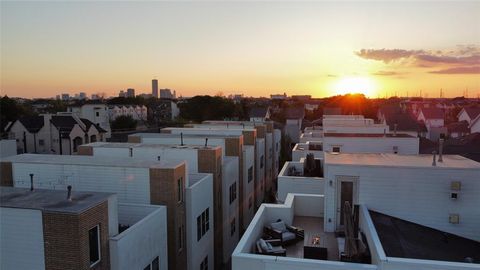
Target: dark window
column 261, row 162
column 181, row 238
column 156, row 264
column 180, row 189
column 336, row 149
column 203, row 224
column 41, row 142
column 250, row 174
column 232, row 227
column 204, row 264
column 97, row 114
column 131, row 152
column 250, row 202
column 233, row 192
column 94, row 244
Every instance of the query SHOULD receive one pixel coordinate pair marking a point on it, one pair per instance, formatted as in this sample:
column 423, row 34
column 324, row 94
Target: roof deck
column 396, row 160
column 51, row 200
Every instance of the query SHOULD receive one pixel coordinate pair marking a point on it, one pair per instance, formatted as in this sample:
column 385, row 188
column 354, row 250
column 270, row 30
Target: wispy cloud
column 386, row 73
column 465, row 59
column 458, row 70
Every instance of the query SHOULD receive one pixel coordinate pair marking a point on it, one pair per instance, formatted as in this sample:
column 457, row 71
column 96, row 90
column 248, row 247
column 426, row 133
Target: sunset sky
column 254, row 48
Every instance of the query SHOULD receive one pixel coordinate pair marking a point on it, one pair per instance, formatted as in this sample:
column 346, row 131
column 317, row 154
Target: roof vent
column 440, row 150
column 69, row 194
column 434, row 163
column 395, row 130
column 181, row 138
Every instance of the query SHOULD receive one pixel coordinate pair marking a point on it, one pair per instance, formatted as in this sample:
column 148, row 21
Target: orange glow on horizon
column 356, row 85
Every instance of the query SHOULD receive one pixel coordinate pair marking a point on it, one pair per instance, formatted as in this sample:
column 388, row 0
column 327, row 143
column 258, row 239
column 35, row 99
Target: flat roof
column 92, row 161
column 188, row 135
column 205, row 127
column 396, row 160
column 404, row 239
column 50, row 200
column 368, row 135
column 148, row 145
column 193, row 178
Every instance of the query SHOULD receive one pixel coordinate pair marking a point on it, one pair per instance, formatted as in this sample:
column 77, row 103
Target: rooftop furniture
column 286, row 234
column 270, row 247
column 315, row 246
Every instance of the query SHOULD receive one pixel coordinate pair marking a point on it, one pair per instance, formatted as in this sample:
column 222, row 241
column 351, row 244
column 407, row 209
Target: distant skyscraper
column 83, row 95
column 155, row 88
column 166, row 93
column 65, row 96
column 130, row 92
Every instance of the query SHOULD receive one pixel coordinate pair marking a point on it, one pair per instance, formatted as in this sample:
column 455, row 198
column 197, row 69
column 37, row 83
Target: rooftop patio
column 313, row 227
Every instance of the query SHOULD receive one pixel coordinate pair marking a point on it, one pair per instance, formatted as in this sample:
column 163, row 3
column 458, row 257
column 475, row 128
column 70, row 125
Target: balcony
column 293, row 178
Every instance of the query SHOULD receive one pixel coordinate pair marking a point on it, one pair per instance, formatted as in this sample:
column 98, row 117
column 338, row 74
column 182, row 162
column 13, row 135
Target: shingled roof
column 258, row 112
column 405, row 121
column 432, row 113
column 32, row 123
column 472, row 112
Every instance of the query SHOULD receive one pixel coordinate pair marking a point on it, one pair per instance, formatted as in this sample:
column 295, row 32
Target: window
column 41, row 142
column 155, row 265
column 97, row 114
column 204, row 264
column 336, row 149
column 395, row 149
column 270, row 152
column 94, row 244
column 130, row 153
column 276, row 146
column 250, row 174
column 181, row 238
column 261, row 162
column 232, row 227
column 180, row 190
column 250, row 202
column 203, row 224
column 233, row 192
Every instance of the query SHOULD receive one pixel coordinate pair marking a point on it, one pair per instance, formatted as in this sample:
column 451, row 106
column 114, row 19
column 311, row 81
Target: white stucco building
column 97, row 113
column 137, row 112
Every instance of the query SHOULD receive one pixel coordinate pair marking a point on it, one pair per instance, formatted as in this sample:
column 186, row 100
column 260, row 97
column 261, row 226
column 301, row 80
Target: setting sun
column 355, row 85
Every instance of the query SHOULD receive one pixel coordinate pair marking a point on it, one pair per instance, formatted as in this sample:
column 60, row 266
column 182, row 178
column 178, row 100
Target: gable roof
column 89, row 123
column 432, row 113
column 32, row 123
column 258, row 112
column 472, row 112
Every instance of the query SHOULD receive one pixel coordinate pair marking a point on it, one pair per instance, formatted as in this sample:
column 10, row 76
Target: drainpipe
column 25, row 142
column 35, row 142
column 60, row 141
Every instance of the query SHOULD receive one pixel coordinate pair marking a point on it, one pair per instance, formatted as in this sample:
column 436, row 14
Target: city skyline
column 251, row 48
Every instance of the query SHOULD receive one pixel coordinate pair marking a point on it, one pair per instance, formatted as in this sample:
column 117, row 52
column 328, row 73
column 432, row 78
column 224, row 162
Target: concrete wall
column 249, row 188
column 199, row 196
column 260, row 171
column 21, row 239
column 420, row 195
column 301, row 185
column 132, row 185
column 406, row 146
column 8, row 148
column 277, row 141
column 144, row 240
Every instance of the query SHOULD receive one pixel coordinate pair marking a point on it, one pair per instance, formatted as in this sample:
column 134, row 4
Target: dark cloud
column 458, row 70
column 463, row 60
column 386, row 55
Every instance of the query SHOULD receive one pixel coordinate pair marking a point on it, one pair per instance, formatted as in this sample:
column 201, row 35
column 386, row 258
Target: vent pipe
column 69, row 194
column 384, row 132
column 206, row 142
column 31, row 182
column 395, row 130
column 440, row 150
column 434, row 163
column 181, row 138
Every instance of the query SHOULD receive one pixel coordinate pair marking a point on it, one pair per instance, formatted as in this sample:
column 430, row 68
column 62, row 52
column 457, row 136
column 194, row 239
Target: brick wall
column 85, row 150
column 163, row 191
column 234, row 147
column 66, row 239
column 6, row 177
column 210, row 161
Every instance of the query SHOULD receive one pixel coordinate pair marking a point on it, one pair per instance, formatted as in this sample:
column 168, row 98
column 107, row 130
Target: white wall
column 8, row 148
column 269, row 159
column 248, row 188
column 406, row 146
column 301, row 185
column 186, row 140
column 260, row 171
column 277, row 141
column 132, row 185
column 144, row 240
column 199, row 197
column 21, row 239
column 420, row 195
column 230, row 211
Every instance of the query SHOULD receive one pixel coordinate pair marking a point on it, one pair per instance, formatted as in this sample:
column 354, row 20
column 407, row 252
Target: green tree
column 124, row 122
column 200, row 108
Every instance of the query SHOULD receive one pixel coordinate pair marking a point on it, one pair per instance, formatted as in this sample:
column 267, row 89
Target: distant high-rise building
column 166, row 93
column 65, row 96
column 155, row 88
column 122, row 93
column 82, row 95
column 130, row 92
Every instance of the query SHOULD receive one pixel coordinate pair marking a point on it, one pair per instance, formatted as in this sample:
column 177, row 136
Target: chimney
column 395, row 130
column 31, row 182
column 181, row 138
column 69, row 195
column 434, row 163
column 440, row 150
column 206, row 142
